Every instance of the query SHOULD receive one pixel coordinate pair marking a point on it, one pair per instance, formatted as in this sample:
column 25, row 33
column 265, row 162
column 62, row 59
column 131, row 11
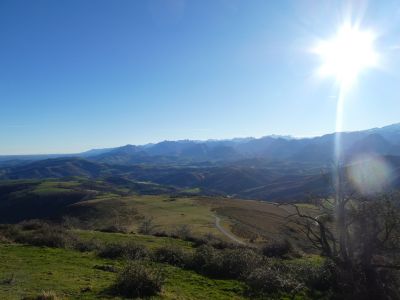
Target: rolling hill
column 272, row 168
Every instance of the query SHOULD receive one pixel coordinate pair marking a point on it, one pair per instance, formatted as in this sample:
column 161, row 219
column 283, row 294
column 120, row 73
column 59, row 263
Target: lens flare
column 347, row 54
column 370, row 174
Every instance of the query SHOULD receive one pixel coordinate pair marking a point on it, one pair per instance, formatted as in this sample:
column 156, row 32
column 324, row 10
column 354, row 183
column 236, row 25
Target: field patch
column 27, row 271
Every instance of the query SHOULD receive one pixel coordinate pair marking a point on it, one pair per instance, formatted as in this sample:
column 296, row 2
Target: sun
column 347, row 54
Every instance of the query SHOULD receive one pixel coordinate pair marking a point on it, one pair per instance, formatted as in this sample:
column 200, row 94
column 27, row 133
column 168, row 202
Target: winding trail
column 227, row 233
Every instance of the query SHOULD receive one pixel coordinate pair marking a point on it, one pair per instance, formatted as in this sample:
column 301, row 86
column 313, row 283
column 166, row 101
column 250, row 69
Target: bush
column 172, row 255
column 33, row 224
column 147, row 226
column 87, row 245
column 161, row 234
column 316, row 277
column 228, row 263
column 128, row 250
column 277, row 249
column 45, row 295
column 138, row 280
column 9, row 280
column 10, row 232
column 111, row 250
column 113, row 229
column 106, row 268
column 38, row 233
column 48, row 235
column 4, row 239
column 270, row 279
column 206, row 260
column 135, row 251
column 238, row 263
column 183, row 232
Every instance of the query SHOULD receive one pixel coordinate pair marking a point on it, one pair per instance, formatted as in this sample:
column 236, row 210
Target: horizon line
column 200, row 141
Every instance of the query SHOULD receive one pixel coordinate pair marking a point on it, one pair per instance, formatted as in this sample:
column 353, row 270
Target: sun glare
column 347, row 54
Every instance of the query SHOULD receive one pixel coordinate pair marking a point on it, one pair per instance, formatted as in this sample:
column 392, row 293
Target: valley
column 235, row 219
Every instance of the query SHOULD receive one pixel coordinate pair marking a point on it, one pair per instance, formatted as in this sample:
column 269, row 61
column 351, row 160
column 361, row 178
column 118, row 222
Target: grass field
column 149, row 241
column 27, row 271
column 168, row 213
column 100, row 206
column 250, row 220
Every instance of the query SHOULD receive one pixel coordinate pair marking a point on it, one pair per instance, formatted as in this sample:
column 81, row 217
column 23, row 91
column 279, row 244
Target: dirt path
column 227, row 233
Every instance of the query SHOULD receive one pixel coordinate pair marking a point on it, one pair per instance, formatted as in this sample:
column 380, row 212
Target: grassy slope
column 97, row 205
column 70, row 273
column 149, row 241
column 169, row 213
column 244, row 218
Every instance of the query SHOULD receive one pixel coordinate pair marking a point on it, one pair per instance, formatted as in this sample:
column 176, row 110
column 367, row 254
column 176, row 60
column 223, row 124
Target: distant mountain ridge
column 381, row 141
column 270, row 168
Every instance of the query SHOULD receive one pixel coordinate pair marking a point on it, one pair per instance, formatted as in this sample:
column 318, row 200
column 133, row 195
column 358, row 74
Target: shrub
column 48, row 235
column 87, row 245
column 10, row 232
column 238, row 263
column 47, row 295
column 106, row 268
column 161, row 233
column 9, row 280
column 277, row 248
column 183, row 232
column 111, row 250
column 270, row 279
column 128, row 250
column 113, row 229
column 4, row 239
column 138, row 280
column 135, row 251
column 72, row 223
column 172, row 255
column 217, row 242
column 147, row 226
column 33, row 224
column 318, row 277
column 206, row 260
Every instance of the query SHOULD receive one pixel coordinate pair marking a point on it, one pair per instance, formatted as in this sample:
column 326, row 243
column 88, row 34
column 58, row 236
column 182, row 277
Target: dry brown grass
column 248, row 219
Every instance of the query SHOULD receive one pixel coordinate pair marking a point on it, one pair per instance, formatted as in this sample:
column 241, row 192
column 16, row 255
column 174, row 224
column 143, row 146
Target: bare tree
column 147, row 225
column 360, row 234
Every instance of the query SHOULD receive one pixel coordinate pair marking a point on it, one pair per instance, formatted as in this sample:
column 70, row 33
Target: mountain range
column 269, row 168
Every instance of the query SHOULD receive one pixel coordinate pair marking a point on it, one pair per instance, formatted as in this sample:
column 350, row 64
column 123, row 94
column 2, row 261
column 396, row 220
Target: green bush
column 277, row 248
column 48, row 235
column 113, row 229
column 10, row 232
column 47, row 295
column 33, row 224
column 238, row 263
column 206, row 260
column 87, row 245
column 106, row 268
column 3, row 238
column 270, row 280
column 184, row 232
column 172, row 255
column 138, row 279
column 111, row 250
column 316, row 277
column 129, row 250
column 135, row 251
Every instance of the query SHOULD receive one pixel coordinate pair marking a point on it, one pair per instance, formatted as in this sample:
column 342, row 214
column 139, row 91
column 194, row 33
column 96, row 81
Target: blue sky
column 76, row 74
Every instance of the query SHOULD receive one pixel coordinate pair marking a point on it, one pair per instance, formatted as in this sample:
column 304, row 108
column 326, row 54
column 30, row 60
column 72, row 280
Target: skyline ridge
column 289, row 137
